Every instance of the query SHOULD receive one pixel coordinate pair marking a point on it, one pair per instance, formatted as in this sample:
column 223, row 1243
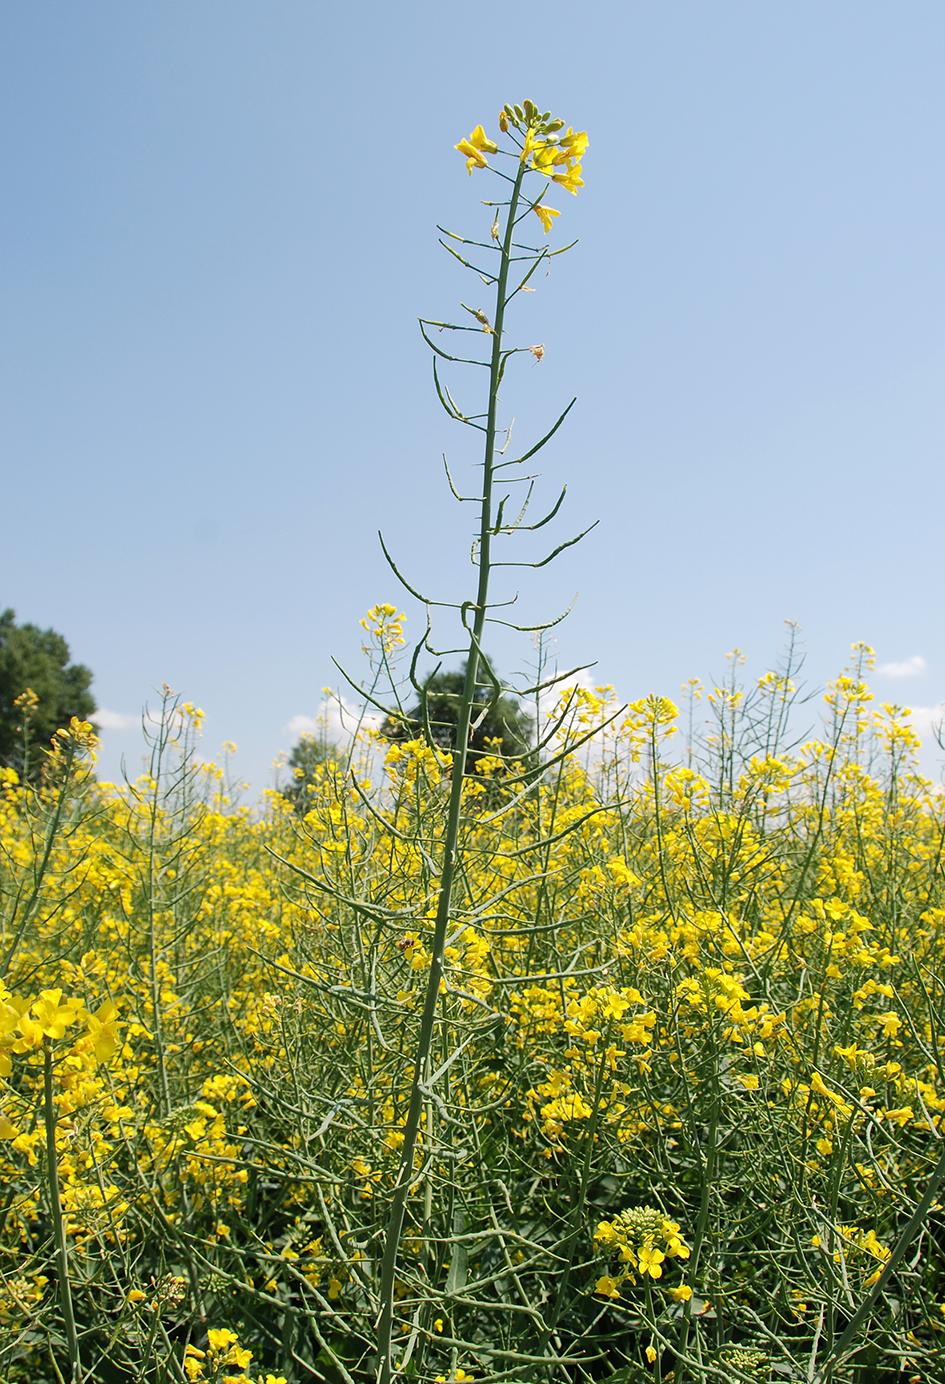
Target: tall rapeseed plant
column 536, row 154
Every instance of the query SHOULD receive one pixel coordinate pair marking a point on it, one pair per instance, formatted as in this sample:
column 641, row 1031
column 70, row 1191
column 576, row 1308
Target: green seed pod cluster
column 749, row 1360
column 527, row 117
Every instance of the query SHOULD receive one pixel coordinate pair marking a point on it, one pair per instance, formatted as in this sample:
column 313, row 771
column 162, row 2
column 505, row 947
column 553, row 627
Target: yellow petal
column 546, row 216
column 481, row 140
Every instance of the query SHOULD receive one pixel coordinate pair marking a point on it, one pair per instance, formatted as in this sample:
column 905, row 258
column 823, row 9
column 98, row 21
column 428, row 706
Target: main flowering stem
column 395, row 1225
column 56, row 1216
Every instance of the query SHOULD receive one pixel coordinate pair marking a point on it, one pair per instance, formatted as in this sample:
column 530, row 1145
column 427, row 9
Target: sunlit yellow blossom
column 480, row 140
column 573, row 144
column 52, row 1014
column 681, row 1293
column 219, row 1338
column 650, row 1260
column 570, row 180
column 546, row 216
column 475, row 147
column 607, row 1287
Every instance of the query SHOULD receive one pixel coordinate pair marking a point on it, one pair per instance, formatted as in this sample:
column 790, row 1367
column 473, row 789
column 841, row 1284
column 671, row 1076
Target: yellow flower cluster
column 223, row 1356
column 642, row 1240
column 862, row 1248
column 541, row 146
column 26, row 1022
column 653, row 967
column 385, row 625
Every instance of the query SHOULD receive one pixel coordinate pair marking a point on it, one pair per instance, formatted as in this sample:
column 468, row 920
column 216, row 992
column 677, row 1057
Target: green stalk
column 55, row 1208
column 157, row 1024
column 709, row 1174
column 913, row 1228
column 553, row 1315
column 395, row 1225
column 39, row 875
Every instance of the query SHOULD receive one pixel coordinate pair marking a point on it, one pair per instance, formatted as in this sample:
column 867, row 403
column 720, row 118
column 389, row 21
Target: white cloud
column 926, row 720
column 115, row 720
column 302, row 725
column 336, row 720
column 912, row 667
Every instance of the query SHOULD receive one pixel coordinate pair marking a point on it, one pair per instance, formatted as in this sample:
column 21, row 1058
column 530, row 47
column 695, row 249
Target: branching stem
column 406, row 1172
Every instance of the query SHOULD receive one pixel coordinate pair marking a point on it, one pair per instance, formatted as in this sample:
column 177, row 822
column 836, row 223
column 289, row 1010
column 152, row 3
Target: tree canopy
column 504, row 728
column 37, row 660
column 309, row 752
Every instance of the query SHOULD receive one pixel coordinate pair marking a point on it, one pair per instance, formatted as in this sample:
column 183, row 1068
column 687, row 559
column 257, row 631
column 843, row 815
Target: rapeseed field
column 621, row 1060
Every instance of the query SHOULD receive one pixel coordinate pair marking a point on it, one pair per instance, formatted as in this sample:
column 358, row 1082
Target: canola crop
column 683, row 1104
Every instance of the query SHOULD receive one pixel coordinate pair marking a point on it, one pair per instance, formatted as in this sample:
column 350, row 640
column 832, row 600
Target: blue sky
column 216, row 234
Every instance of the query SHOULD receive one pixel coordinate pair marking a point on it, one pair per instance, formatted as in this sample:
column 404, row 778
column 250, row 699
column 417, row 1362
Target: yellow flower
column 546, row 216
column 219, row 1338
column 889, row 1023
column 607, row 1287
column 193, row 1367
column 820, row 1088
column 544, row 156
column 650, row 1260
column 475, row 147
column 52, row 1015
column 473, row 157
column 682, row 1293
column 480, row 140
column 570, row 179
column 103, row 1030
column 572, row 144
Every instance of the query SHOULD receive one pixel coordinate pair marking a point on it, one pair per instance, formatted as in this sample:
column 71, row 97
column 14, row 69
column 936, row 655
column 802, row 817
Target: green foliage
column 31, row 658
column 498, row 727
column 307, row 755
